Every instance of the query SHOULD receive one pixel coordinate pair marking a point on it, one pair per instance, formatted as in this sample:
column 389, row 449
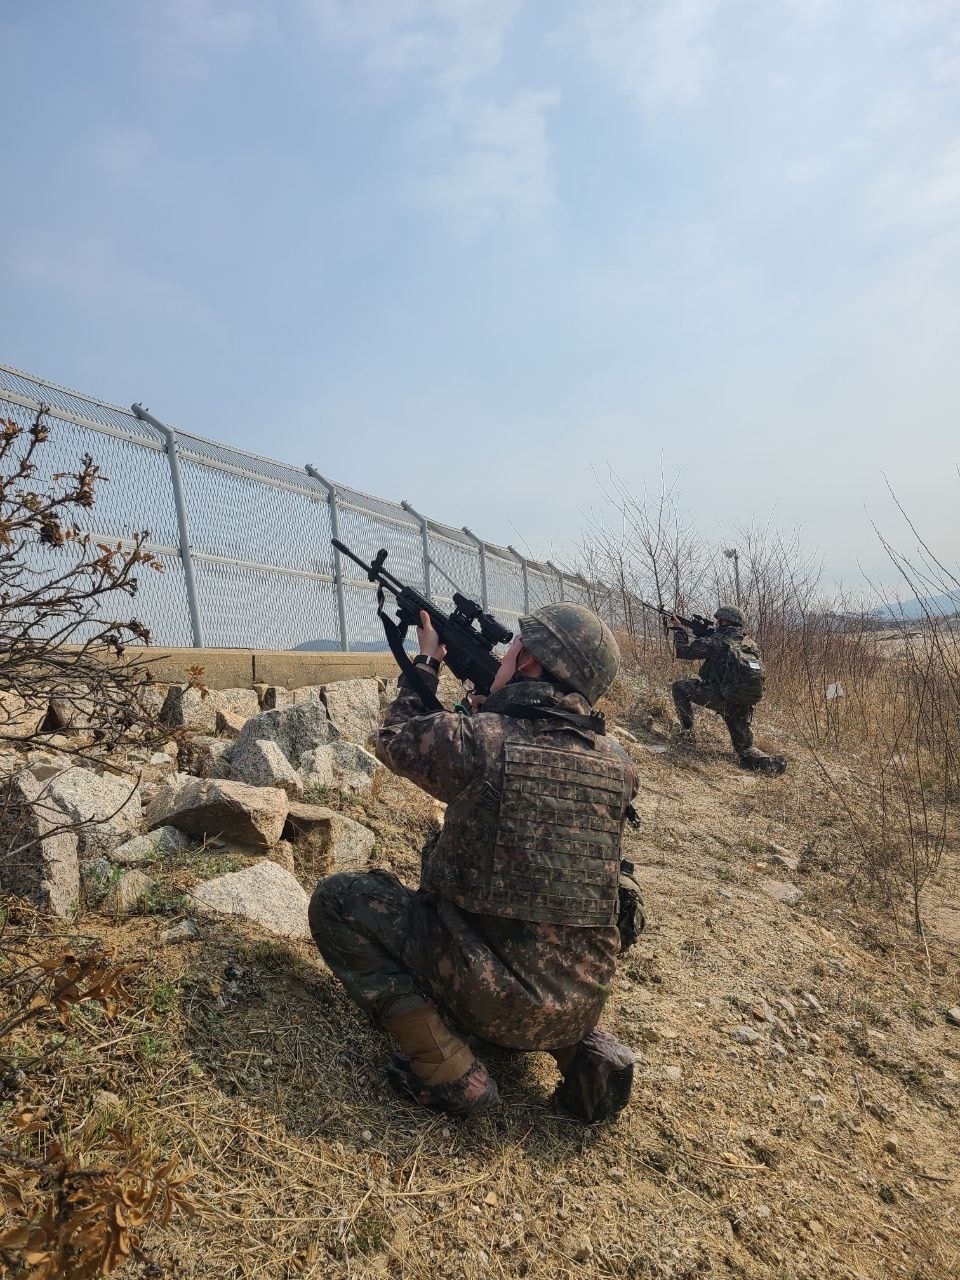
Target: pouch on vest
column 631, row 917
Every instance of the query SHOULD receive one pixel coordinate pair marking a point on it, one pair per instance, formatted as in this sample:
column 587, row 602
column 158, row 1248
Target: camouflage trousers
column 736, row 718
column 516, row 985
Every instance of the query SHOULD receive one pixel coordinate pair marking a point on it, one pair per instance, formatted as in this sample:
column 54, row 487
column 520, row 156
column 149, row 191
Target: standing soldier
column 730, row 683
column 512, row 936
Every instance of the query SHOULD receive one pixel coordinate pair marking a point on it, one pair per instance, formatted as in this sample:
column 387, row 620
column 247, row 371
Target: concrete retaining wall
column 243, row 668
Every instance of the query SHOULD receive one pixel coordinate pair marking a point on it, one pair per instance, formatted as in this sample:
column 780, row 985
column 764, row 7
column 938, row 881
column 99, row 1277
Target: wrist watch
column 422, row 660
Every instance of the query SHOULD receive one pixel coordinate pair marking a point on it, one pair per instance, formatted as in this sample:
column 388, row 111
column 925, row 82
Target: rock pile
column 251, row 761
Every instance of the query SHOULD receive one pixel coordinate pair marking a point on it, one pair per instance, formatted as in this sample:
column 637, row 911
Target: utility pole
column 732, row 554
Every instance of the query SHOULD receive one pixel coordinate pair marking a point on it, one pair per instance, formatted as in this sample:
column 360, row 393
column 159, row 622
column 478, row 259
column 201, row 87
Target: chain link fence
column 245, row 540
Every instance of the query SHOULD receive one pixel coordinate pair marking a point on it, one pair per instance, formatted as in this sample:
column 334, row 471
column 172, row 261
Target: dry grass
column 828, row 1148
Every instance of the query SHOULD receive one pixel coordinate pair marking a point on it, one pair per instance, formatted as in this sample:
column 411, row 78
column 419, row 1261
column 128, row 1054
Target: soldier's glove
column 630, row 914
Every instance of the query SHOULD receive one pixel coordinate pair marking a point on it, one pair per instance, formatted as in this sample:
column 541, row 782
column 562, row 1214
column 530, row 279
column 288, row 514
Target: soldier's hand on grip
column 428, row 640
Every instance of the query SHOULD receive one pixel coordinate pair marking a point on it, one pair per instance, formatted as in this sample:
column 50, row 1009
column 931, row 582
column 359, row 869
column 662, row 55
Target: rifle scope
column 492, row 631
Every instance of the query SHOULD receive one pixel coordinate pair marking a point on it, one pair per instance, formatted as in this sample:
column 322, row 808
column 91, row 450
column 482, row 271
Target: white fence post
column 483, row 566
column 559, row 573
column 425, row 537
column 337, row 562
column 183, row 525
column 526, row 581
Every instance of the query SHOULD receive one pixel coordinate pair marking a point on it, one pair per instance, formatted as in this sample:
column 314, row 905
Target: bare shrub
column 901, row 709
column 59, row 590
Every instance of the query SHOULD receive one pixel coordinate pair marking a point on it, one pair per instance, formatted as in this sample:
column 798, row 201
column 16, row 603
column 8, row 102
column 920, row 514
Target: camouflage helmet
column 575, row 646
column 730, row 614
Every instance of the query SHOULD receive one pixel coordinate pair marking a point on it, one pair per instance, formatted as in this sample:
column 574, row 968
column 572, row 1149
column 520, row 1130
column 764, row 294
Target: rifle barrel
column 345, row 550
column 381, row 575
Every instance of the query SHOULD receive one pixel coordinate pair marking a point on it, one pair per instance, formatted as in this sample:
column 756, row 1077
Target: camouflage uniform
column 523, row 983
column 706, row 691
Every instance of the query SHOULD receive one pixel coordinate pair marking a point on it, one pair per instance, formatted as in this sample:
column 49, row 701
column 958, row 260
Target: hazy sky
column 471, row 252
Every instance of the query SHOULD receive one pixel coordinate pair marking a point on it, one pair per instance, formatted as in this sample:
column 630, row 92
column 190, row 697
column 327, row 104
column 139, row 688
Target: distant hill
column 945, row 605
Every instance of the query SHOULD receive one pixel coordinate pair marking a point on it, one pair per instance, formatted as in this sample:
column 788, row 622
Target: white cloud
column 88, row 267
column 921, row 193
column 182, row 37
column 499, row 165
column 445, row 44
column 658, row 51
column 122, row 153
column 481, row 155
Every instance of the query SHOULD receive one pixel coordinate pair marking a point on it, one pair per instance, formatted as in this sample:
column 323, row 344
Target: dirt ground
column 796, row 1111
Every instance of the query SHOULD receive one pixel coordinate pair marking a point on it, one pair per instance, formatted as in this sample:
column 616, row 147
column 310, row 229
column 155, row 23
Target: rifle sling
column 395, row 637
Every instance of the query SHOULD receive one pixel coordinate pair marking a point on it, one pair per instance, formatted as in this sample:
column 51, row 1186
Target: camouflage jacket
column 536, row 806
column 536, row 983
column 713, row 649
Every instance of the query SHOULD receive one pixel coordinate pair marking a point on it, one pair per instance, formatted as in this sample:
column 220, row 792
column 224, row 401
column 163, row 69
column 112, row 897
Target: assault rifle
column 469, row 647
column 697, row 623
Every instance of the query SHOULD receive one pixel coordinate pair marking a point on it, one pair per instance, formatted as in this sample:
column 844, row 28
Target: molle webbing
column 557, row 851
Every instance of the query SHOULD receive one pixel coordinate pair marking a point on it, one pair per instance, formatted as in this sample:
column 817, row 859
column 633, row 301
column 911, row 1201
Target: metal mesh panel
column 221, row 457
column 363, row 625
column 245, row 607
column 504, row 584
column 161, row 603
column 135, row 494
column 96, row 411
column 243, row 519
column 574, row 591
column 456, row 561
column 544, row 587
column 389, row 511
column 259, row 534
column 365, row 534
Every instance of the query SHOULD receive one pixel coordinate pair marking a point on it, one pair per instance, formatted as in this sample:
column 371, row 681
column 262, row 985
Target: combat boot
column 436, row 1067
column 757, row 760
column 597, row 1077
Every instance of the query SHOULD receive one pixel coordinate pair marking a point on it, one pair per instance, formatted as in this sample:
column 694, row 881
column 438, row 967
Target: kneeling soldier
column 512, row 936
column 730, row 683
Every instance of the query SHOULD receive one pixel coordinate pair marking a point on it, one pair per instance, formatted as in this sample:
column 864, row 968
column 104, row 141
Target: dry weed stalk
column 33, row 986
column 68, row 1219
column 83, row 1223
column 901, row 789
